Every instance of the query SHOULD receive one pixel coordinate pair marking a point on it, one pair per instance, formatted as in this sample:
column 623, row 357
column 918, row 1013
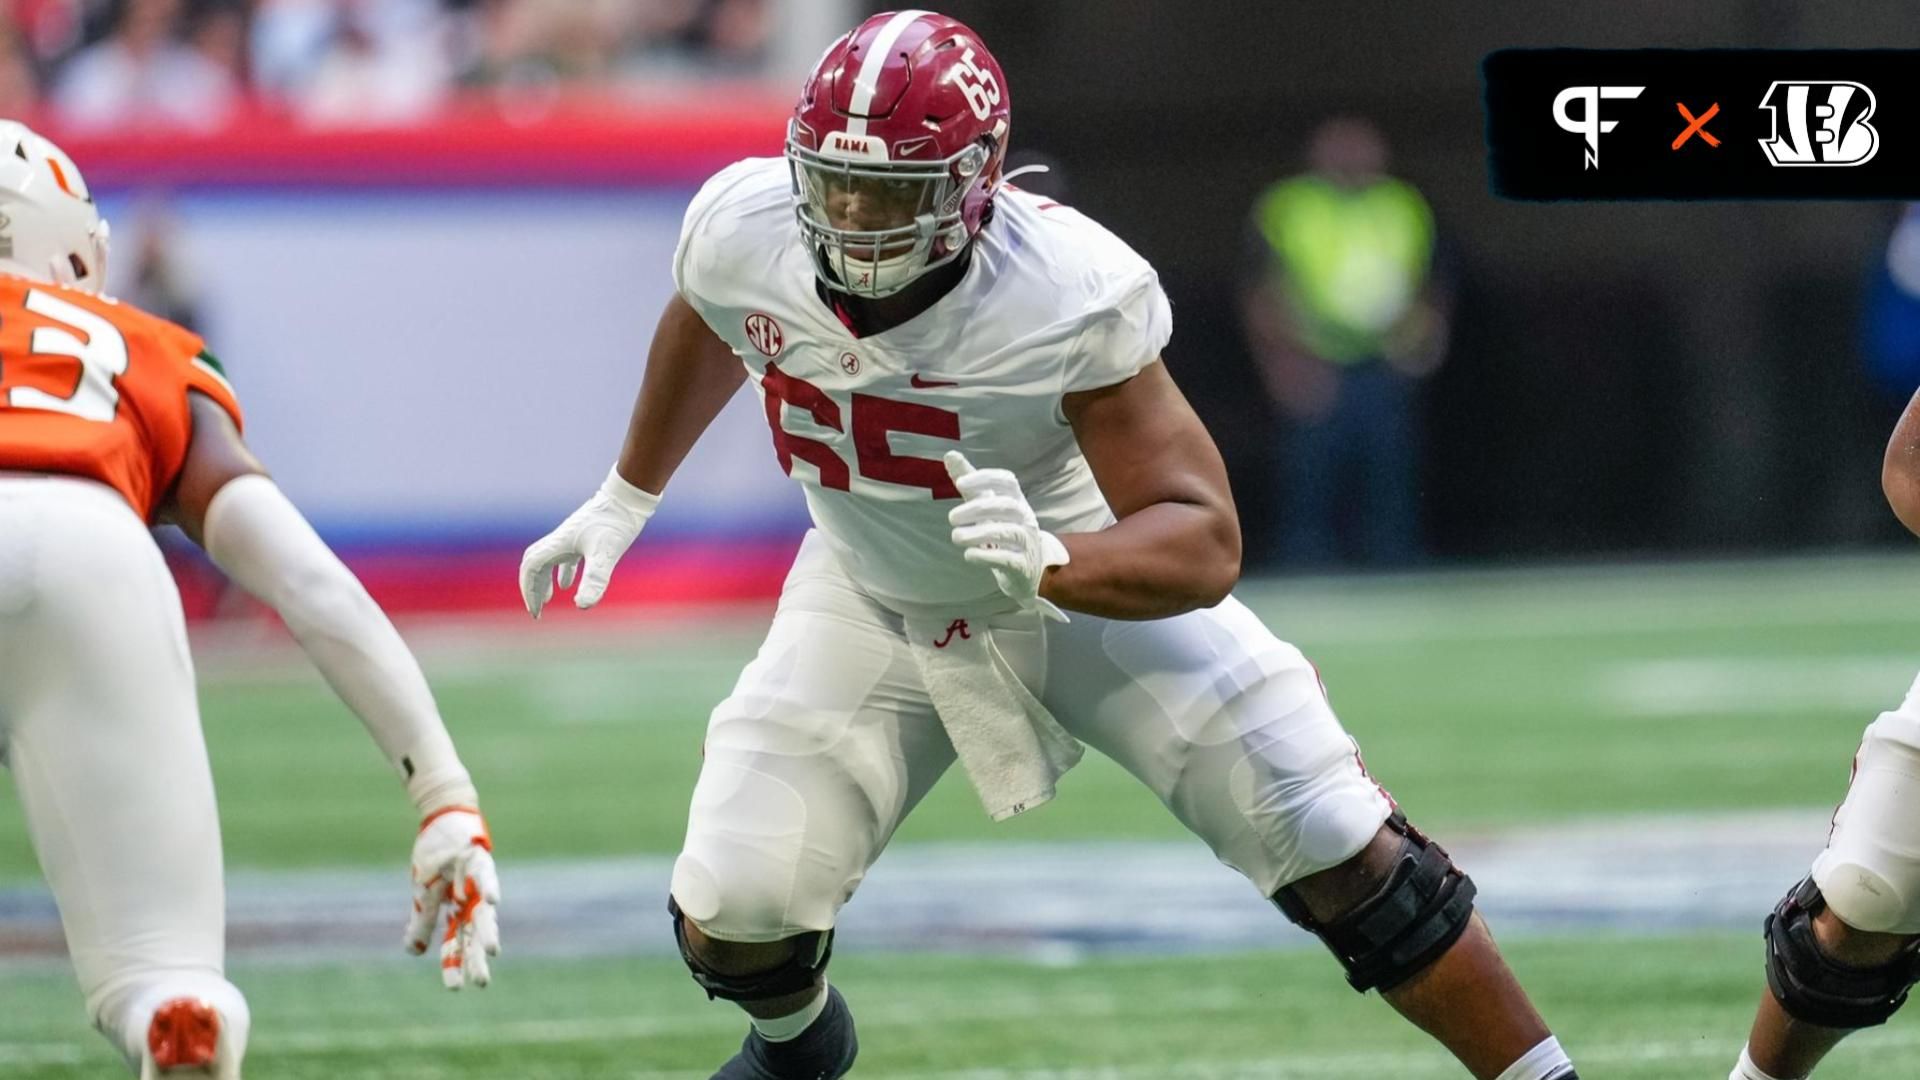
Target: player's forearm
column 1163, row 560
column 258, row 537
column 1900, row 471
column 691, row 375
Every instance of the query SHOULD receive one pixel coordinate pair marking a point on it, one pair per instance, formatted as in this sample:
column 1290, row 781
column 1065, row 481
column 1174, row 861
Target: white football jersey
column 1051, row 303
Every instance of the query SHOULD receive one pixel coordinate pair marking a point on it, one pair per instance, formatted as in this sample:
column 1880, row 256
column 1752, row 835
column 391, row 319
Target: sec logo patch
column 764, row 334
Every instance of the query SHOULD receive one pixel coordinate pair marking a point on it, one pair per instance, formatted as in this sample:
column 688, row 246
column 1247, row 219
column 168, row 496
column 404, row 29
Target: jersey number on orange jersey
column 83, row 350
column 874, row 420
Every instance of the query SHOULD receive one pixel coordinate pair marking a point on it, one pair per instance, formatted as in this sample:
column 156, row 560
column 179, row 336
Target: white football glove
column 994, row 526
column 453, row 868
column 595, row 535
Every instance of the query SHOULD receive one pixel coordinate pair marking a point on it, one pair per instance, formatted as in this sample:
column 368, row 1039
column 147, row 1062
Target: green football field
column 1631, row 1009
column 1483, row 701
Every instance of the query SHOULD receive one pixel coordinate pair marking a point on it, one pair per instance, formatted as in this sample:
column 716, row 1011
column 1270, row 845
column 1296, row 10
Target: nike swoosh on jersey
column 919, row 383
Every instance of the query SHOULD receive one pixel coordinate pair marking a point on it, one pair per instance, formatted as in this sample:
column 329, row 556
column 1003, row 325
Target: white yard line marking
column 1281, row 1066
column 1757, row 684
column 1066, row 1003
column 40, row 1053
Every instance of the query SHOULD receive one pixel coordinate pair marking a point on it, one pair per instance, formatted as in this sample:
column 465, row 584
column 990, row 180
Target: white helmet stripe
column 868, row 80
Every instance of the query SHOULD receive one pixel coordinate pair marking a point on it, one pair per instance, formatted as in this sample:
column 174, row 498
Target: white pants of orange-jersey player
column 100, row 729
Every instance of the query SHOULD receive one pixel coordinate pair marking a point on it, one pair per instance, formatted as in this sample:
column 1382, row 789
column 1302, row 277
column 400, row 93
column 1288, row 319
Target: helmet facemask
column 875, row 227
column 85, row 271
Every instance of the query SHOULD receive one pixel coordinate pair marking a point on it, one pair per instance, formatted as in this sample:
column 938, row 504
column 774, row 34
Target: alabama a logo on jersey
column 1819, row 123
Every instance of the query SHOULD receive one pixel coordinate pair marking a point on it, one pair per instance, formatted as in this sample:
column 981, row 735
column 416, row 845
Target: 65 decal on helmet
column 896, row 150
column 982, row 87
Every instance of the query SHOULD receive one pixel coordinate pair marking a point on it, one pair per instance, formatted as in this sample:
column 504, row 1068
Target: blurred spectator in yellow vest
column 1344, row 316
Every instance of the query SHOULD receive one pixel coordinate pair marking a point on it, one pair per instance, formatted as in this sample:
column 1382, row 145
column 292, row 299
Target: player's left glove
column 453, row 868
column 587, row 544
column 994, row 526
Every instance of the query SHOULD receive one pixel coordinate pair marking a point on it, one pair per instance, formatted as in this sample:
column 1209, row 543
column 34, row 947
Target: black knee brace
column 1813, row 988
column 803, row 966
column 1416, row 914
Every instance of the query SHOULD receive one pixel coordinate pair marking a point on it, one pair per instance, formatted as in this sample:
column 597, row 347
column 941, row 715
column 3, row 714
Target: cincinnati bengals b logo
column 1820, row 123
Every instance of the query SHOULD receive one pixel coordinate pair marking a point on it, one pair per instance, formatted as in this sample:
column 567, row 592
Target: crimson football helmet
column 896, row 150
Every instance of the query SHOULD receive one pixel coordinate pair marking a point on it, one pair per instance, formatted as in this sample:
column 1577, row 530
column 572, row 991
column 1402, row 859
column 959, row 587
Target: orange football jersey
column 93, row 387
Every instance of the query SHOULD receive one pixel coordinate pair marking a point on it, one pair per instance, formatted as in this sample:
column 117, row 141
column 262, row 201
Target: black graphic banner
column 1704, row 123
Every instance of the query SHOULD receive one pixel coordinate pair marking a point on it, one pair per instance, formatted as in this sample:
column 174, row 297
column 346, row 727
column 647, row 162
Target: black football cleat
column 825, row 1051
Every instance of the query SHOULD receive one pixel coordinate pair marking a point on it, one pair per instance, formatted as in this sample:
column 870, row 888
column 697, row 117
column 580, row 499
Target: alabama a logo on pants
column 1819, row 123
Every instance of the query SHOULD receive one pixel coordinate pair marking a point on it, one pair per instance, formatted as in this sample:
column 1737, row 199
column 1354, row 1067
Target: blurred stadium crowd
column 1446, row 388
column 196, row 64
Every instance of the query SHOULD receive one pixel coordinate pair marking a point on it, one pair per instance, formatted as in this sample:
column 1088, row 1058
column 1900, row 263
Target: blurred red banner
column 481, row 139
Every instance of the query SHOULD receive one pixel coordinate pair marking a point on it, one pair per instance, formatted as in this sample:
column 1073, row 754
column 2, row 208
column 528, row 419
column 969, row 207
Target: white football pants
column 1870, row 871
column 100, row 727
column 829, row 740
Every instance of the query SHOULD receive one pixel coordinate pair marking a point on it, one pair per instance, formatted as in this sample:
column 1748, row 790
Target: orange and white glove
column 453, row 868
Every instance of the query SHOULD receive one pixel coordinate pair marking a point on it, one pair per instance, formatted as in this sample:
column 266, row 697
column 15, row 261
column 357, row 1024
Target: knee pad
column 1416, row 914
column 761, row 860
column 800, row 970
column 1870, row 872
column 1815, row 989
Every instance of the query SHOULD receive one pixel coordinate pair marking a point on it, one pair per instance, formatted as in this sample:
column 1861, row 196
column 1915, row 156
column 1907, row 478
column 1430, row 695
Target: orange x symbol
column 1698, row 125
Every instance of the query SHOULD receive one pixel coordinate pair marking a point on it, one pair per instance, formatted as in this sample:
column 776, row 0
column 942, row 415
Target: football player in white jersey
column 1843, row 947
column 1024, row 543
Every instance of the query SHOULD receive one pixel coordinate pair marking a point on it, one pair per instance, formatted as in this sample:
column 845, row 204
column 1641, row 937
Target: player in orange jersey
column 112, row 420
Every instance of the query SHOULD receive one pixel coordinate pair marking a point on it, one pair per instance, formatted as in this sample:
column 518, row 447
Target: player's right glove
column 453, row 868
column 588, row 544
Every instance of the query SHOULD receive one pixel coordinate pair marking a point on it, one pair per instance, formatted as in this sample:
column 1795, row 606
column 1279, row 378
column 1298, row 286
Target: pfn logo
column 1588, row 124
column 1820, row 123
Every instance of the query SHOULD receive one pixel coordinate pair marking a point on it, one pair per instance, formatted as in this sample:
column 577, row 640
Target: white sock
column 123, row 1010
column 1544, row 1062
column 787, row 1028
column 1747, row 1070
